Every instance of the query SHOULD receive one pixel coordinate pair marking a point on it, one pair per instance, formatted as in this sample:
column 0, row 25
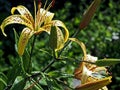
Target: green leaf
column 53, row 85
column 3, row 81
column 14, row 72
column 26, row 63
column 19, row 83
column 54, row 74
column 16, row 39
column 107, row 62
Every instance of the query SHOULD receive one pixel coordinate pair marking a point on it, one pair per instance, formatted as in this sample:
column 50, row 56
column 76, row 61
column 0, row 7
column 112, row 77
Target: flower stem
column 30, row 62
column 33, row 43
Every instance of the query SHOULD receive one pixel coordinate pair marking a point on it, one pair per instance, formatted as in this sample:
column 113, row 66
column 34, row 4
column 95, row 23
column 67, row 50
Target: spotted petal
column 16, row 19
column 94, row 85
column 56, row 39
column 46, row 15
column 58, row 23
column 23, row 11
column 23, row 40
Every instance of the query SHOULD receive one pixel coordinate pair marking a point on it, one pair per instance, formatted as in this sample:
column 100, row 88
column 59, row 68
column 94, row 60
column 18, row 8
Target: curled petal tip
column 13, row 10
column 3, row 31
column 4, row 34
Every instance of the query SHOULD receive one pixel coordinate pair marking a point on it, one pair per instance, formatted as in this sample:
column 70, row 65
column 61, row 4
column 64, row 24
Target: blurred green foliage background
column 101, row 37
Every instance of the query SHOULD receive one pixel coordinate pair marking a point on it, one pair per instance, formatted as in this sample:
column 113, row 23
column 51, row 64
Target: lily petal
column 15, row 19
column 23, row 11
column 41, row 29
column 23, row 40
column 95, row 85
column 56, row 39
column 58, row 23
column 46, row 15
column 81, row 45
column 60, row 39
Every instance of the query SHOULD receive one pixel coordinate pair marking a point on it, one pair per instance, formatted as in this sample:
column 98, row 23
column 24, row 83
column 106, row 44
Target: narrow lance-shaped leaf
column 3, row 79
column 23, row 40
column 89, row 13
column 16, row 39
column 107, row 62
column 95, row 85
column 19, row 83
column 15, row 19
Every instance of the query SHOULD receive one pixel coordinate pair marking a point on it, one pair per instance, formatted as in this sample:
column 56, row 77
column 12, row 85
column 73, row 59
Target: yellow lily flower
column 42, row 22
column 91, row 75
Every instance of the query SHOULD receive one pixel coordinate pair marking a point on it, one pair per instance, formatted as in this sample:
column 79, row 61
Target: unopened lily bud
column 89, row 13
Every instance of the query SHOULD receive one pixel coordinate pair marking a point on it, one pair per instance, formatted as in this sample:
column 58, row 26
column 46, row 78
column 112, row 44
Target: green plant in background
column 28, row 71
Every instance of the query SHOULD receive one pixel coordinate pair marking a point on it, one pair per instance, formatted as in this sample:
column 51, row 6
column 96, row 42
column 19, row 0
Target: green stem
column 53, row 60
column 32, row 47
column 30, row 62
column 50, row 64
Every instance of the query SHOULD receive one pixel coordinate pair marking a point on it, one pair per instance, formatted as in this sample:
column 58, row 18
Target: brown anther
column 53, row 3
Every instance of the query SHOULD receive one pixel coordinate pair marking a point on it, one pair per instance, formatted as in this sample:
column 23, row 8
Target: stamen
column 49, row 6
column 53, row 3
column 45, row 4
column 39, row 4
column 35, row 13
